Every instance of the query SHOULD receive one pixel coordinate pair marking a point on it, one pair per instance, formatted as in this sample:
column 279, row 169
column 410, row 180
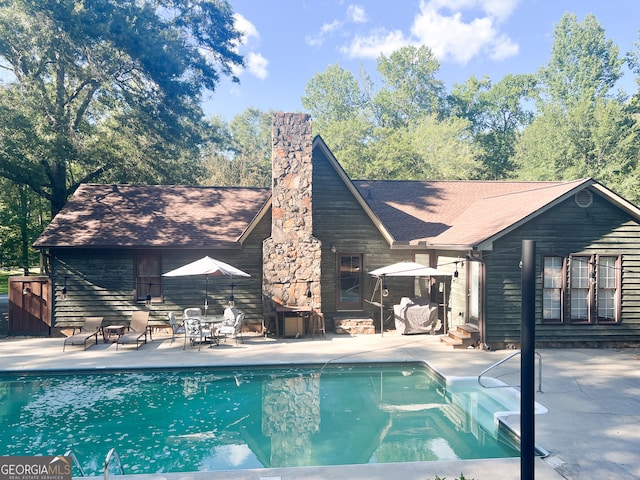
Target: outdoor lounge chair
column 232, row 330
column 137, row 330
column 175, row 328
column 91, row 328
column 195, row 333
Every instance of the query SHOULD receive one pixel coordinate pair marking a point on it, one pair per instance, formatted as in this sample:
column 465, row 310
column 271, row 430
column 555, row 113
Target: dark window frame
column 340, row 303
column 560, row 289
column 593, row 285
column 147, row 277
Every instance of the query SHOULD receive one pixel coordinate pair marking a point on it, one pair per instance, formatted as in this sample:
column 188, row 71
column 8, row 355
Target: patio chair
column 233, row 330
column 195, row 333
column 175, row 328
column 91, row 328
column 137, row 330
column 191, row 313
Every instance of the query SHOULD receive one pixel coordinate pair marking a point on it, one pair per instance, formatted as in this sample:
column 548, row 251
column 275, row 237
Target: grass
column 4, row 279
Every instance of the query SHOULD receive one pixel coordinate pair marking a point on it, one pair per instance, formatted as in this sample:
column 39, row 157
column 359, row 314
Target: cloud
column 455, row 30
column 354, row 14
column 245, row 27
column 371, row 46
column 255, row 63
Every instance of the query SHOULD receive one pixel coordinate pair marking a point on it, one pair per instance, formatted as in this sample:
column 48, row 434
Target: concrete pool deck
column 593, row 397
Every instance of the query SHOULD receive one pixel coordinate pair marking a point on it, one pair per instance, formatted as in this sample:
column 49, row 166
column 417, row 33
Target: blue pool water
column 218, row 419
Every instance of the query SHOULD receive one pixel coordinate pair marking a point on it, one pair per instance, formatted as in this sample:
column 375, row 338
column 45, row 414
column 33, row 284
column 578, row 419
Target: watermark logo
column 35, row 468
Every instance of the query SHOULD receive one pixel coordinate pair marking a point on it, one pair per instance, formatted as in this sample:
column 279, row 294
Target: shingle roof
column 457, row 213
column 153, row 216
column 435, row 213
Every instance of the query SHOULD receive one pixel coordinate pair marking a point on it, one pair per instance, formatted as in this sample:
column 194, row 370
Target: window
column 591, row 289
column 595, row 289
column 350, row 282
column 552, row 275
column 148, row 277
column 608, row 281
column 580, row 289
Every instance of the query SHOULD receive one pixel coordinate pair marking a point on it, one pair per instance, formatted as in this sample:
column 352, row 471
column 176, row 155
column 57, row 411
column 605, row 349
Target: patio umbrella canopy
column 408, row 269
column 403, row 269
column 206, row 266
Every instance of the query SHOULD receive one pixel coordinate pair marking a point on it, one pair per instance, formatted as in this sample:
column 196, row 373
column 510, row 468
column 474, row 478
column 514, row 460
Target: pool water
column 184, row 420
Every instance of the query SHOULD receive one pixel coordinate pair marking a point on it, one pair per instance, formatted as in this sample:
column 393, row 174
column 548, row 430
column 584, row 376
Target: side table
column 111, row 333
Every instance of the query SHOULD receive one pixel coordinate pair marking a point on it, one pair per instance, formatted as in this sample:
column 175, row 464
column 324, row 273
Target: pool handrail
column 486, row 370
column 69, row 453
column 107, row 461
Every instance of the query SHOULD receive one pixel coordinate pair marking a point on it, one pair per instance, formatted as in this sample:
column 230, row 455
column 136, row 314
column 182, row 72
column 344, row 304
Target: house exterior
column 313, row 237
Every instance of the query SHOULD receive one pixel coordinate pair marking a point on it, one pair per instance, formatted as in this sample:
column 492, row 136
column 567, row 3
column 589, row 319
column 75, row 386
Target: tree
column 242, row 153
column 584, row 64
column 342, row 115
column 411, row 89
column 108, row 89
column 498, row 113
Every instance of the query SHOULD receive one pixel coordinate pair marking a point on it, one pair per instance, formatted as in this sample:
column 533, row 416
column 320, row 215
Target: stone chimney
column 291, row 256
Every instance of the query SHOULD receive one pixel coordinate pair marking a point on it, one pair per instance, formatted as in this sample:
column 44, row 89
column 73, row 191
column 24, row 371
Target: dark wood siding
column 340, row 221
column 566, row 229
column 102, row 282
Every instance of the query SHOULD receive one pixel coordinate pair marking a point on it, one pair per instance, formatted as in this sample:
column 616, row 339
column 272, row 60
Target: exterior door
column 474, row 292
column 349, row 282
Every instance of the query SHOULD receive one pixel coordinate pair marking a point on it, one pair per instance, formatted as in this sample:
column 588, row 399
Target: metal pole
column 527, row 366
column 381, row 306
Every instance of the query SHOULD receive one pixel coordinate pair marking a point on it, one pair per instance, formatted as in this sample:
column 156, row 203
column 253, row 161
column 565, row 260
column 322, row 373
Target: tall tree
column 411, row 89
column 498, row 112
column 342, row 115
column 107, row 89
column 584, row 64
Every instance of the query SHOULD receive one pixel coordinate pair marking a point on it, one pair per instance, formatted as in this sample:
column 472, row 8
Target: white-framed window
column 595, row 288
column 552, row 289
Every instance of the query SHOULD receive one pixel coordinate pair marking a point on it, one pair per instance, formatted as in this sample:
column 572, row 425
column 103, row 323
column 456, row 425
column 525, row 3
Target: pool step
column 464, row 336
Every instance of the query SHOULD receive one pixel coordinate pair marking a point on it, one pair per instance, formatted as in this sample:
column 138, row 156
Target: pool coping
column 589, row 429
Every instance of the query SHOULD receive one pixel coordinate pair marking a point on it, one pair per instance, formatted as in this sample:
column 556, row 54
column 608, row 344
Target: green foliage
column 108, row 90
column 241, row 154
column 584, row 65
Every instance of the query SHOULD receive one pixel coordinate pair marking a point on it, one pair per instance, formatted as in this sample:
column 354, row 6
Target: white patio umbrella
column 207, row 266
column 408, row 269
column 404, row 269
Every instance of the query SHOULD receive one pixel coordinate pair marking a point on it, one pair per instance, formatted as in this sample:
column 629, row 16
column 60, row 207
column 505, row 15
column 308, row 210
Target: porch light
column 385, row 290
column 64, row 289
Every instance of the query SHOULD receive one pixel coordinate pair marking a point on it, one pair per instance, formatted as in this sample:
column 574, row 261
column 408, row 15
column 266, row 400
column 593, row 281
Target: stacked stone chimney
column 291, row 256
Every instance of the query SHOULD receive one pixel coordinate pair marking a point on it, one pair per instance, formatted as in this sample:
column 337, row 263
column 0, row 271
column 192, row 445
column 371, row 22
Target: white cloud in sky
column 455, row 30
column 245, row 27
column 379, row 42
column 354, row 14
column 255, row 63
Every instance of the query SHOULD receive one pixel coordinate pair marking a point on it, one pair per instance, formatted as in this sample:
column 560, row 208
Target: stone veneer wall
column 291, row 256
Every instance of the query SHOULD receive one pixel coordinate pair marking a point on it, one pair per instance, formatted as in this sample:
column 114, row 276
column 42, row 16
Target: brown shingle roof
column 457, row 213
column 153, row 216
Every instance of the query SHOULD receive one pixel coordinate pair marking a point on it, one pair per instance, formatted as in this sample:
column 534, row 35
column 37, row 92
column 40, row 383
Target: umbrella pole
column 206, row 294
column 381, row 307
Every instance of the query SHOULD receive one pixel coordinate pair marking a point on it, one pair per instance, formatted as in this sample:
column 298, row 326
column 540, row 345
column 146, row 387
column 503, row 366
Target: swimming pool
column 218, row 419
